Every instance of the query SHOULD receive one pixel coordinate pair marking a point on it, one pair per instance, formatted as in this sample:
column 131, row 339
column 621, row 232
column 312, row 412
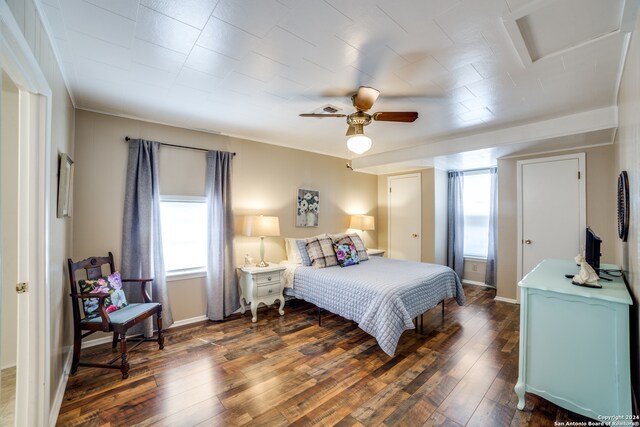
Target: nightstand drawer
column 264, row 291
column 265, row 279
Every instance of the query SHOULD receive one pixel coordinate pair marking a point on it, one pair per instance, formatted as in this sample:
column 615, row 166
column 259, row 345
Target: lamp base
column 262, row 264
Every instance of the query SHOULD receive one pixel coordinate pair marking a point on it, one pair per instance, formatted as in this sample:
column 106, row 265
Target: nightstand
column 375, row 252
column 260, row 285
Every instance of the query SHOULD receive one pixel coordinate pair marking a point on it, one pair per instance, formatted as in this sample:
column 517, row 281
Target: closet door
column 405, row 217
column 552, row 207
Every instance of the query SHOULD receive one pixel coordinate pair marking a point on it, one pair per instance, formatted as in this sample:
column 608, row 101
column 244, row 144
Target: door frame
column 389, row 178
column 582, row 197
column 35, row 109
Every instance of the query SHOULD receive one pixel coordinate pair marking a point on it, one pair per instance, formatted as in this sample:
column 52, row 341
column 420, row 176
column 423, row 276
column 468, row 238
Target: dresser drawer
column 265, row 279
column 264, row 291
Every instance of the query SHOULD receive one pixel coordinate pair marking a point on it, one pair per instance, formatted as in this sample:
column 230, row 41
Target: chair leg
column 114, row 343
column 77, row 345
column 124, row 366
column 160, row 331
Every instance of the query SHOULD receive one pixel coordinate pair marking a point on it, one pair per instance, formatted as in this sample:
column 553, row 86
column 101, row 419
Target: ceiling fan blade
column 364, row 99
column 319, row 116
column 351, row 130
column 396, row 116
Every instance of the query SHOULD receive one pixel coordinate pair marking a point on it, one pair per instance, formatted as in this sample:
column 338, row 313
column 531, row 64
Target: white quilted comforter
column 382, row 295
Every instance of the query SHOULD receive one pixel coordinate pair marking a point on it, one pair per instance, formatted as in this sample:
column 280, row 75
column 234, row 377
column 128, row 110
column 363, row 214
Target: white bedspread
column 382, row 295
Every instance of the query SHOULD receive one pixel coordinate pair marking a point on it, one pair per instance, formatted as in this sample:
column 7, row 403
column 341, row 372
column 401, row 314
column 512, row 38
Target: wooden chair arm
column 101, row 309
column 143, row 287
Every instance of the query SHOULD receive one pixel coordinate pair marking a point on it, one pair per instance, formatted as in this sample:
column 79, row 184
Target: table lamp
column 362, row 222
column 261, row 226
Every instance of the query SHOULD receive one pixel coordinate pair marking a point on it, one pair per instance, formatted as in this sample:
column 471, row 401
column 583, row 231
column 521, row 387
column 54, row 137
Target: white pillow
column 293, row 253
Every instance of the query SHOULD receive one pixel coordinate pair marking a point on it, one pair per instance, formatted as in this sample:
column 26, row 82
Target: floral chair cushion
column 111, row 284
column 346, row 254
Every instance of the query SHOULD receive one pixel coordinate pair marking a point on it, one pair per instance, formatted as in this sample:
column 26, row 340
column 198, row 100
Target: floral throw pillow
column 346, row 254
column 111, row 284
column 357, row 242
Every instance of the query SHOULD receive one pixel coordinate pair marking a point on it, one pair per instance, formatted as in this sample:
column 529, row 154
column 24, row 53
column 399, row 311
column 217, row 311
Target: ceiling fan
column 363, row 100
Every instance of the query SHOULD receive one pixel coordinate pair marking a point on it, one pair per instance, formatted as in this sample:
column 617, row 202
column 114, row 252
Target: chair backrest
column 93, row 268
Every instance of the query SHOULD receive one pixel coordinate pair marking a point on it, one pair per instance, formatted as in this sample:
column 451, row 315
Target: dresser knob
column 270, row 290
column 269, row 278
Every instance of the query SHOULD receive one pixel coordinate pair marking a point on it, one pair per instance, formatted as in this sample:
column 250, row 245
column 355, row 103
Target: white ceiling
column 247, row 68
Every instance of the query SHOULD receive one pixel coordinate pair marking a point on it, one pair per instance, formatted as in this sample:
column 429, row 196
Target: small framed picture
column 307, row 208
column 65, row 183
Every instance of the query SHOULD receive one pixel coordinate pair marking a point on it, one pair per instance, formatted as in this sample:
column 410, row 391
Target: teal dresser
column 574, row 342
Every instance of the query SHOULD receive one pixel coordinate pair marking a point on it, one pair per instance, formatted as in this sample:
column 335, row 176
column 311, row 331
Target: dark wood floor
column 288, row 371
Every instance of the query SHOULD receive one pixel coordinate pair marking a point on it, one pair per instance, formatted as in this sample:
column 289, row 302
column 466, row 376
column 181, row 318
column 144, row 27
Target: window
column 184, row 234
column 476, row 196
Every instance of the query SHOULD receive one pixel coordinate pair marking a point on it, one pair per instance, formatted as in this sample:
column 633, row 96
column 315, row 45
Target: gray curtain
column 141, row 233
column 490, row 276
column 455, row 224
column 222, row 286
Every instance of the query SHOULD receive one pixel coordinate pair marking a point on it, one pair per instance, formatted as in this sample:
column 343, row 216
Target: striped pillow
column 320, row 249
column 304, row 255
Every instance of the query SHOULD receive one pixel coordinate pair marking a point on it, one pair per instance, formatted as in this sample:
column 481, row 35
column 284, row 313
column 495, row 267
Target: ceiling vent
column 327, row 109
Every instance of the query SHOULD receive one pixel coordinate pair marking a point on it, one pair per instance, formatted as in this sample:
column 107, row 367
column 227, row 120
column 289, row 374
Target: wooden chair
column 118, row 321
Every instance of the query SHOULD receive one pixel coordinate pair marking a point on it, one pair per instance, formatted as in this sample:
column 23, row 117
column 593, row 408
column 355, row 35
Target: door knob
column 527, row 242
column 414, row 235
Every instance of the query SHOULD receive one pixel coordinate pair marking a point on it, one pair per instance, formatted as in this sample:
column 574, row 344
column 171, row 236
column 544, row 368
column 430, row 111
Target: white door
column 551, row 209
column 405, row 217
column 9, row 112
column 24, row 205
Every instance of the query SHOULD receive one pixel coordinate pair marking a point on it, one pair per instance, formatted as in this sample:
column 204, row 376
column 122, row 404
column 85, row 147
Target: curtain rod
column 127, row 139
column 473, row 170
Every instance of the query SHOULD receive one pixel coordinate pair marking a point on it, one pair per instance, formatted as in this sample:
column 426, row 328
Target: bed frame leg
column 319, row 316
column 419, row 324
column 443, row 310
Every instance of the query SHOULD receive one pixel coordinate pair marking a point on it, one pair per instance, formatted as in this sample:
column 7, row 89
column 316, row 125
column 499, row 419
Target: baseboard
column 503, row 299
column 57, row 401
column 473, row 282
column 177, row 323
column 189, row 321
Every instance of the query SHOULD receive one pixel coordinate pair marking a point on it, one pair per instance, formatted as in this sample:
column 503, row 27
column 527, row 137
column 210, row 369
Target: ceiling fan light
column 359, row 144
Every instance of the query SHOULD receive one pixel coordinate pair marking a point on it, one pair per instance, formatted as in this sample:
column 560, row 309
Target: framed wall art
column 65, row 183
column 307, row 208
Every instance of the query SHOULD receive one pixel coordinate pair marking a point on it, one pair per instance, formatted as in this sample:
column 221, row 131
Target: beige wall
column 9, row 217
column 601, row 208
column 434, row 216
column 627, row 157
column 265, row 181
column 474, row 270
column 62, row 126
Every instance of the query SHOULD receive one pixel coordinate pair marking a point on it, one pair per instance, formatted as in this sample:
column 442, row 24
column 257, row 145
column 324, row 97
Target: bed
column 382, row 295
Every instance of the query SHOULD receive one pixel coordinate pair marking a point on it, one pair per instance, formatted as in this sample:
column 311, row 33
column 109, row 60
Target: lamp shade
column 362, row 222
column 261, row 226
column 359, row 143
